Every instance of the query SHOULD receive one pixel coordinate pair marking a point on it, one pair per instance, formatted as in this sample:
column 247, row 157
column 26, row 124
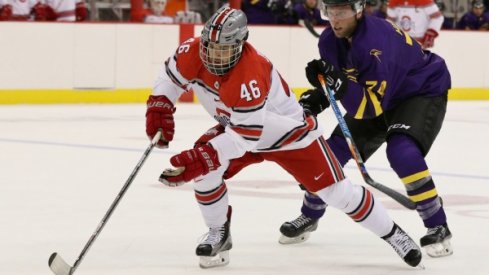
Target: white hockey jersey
column 64, row 9
column 158, row 19
column 415, row 16
column 252, row 100
column 21, row 9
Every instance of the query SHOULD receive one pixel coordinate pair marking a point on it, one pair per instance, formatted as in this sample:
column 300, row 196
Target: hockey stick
column 56, row 263
column 310, row 28
column 400, row 198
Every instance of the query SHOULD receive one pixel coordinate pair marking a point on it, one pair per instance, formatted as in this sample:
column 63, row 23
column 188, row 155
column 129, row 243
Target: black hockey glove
column 314, row 101
column 335, row 79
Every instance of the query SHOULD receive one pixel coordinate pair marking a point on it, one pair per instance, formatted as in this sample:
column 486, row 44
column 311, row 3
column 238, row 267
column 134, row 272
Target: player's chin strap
column 400, row 198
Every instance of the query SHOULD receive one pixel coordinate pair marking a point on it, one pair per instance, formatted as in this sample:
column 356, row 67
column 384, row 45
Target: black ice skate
column 437, row 241
column 298, row 230
column 405, row 247
column 215, row 245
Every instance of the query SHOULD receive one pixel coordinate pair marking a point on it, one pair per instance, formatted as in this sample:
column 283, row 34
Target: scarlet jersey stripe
column 334, row 167
column 249, row 132
column 297, row 133
column 212, row 196
column 207, row 88
column 220, row 19
column 337, row 169
column 365, row 207
column 285, row 86
column 249, row 108
column 170, row 74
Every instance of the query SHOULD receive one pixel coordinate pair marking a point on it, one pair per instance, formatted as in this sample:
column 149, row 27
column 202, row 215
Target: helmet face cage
column 222, row 40
column 327, row 7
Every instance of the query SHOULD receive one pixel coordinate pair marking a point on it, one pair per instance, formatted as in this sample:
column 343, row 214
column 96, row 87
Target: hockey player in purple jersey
column 393, row 92
column 475, row 19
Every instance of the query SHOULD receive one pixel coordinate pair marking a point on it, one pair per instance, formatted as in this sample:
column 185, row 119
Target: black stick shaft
column 114, row 204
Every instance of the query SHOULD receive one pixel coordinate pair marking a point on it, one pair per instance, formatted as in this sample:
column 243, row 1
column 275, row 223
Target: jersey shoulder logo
column 376, row 53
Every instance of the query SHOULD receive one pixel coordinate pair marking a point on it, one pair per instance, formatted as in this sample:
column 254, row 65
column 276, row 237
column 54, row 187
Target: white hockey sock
column 213, row 204
column 358, row 203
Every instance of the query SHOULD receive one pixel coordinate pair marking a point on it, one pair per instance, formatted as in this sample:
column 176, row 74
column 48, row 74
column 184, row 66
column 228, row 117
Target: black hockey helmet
column 342, row 2
column 478, row 4
column 356, row 5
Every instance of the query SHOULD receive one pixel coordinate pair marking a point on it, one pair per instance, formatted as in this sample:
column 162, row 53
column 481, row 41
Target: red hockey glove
column 210, row 134
column 5, row 12
column 81, row 12
column 50, row 14
column 429, row 38
column 159, row 115
column 39, row 12
column 196, row 162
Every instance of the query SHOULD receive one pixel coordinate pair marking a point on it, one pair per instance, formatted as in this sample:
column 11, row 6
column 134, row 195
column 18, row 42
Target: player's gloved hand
column 39, row 12
column 429, row 38
column 159, row 115
column 335, row 79
column 210, row 134
column 314, row 101
column 81, row 12
column 196, row 162
column 5, row 12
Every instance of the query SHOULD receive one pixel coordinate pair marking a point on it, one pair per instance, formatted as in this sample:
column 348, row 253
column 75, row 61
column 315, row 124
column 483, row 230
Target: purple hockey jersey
column 473, row 22
column 384, row 66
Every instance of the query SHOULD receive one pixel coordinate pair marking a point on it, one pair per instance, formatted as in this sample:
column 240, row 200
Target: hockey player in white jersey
column 26, row 10
column 421, row 19
column 157, row 13
column 261, row 119
column 66, row 10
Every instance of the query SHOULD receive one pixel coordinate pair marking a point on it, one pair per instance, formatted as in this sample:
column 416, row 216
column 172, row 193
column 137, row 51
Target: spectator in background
column 448, row 22
column 5, row 10
column 66, row 10
column 308, row 11
column 454, row 9
column 370, row 6
column 381, row 12
column 23, row 10
column 269, row 11
column 156, row 14
column 258, row 12
column 421, row 19
column 188, row 17
column 475, row 19
column 204, row 7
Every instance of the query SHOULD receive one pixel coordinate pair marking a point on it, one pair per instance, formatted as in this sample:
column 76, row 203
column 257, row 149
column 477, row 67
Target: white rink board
column 63, row 165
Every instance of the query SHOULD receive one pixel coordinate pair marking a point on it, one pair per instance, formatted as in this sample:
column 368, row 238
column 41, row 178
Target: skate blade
column 438, row 250
column 299, row 239
column 221, row 259
column 421, row 266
